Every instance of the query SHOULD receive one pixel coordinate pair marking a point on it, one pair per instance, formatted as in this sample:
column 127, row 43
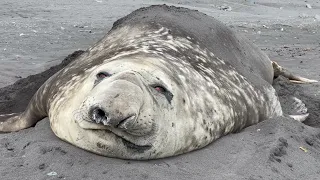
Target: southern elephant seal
column 162, row 82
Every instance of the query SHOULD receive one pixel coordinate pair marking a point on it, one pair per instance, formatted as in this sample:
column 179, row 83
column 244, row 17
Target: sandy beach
column 38, row 38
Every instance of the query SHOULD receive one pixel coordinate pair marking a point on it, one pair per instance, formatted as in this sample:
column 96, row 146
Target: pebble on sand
column 52, row 173
column 225, row 7
column 308, row 6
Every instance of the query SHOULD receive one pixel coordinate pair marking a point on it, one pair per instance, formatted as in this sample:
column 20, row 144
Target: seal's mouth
column 94, row 127
column 135, row 147
column 127, row 143
column 131, row 145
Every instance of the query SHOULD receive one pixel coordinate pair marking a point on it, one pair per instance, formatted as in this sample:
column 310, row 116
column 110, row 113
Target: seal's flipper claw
column 279, row 70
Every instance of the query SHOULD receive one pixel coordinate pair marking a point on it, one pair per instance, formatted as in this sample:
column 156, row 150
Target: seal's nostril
column 98, row 115
column 101, row 113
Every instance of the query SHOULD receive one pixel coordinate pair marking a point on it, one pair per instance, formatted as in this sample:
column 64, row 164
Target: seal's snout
column 117, row 104
column 100, row 116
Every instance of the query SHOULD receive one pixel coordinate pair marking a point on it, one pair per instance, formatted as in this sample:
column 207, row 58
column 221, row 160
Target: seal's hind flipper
column 278, row 70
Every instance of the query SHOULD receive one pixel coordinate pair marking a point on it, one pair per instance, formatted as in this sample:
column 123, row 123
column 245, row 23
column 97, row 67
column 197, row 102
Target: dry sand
column 36, row 35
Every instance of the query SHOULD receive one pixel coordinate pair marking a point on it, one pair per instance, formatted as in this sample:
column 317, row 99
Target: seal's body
column 162, row 82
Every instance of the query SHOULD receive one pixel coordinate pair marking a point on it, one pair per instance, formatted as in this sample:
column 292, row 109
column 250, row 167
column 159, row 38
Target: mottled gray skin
column 173, row 81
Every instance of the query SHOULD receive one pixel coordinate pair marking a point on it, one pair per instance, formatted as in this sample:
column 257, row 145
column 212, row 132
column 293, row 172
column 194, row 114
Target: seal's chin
column 99, row 127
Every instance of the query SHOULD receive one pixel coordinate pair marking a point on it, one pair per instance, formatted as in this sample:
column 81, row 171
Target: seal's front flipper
column 11, row 122
column 300, row 118
column 34, row 112
column 297, row 109
column 278, row 70
column 17, row 121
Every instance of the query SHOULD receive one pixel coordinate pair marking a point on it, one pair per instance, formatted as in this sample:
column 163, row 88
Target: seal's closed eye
column 159, row 88
column 102, row 75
